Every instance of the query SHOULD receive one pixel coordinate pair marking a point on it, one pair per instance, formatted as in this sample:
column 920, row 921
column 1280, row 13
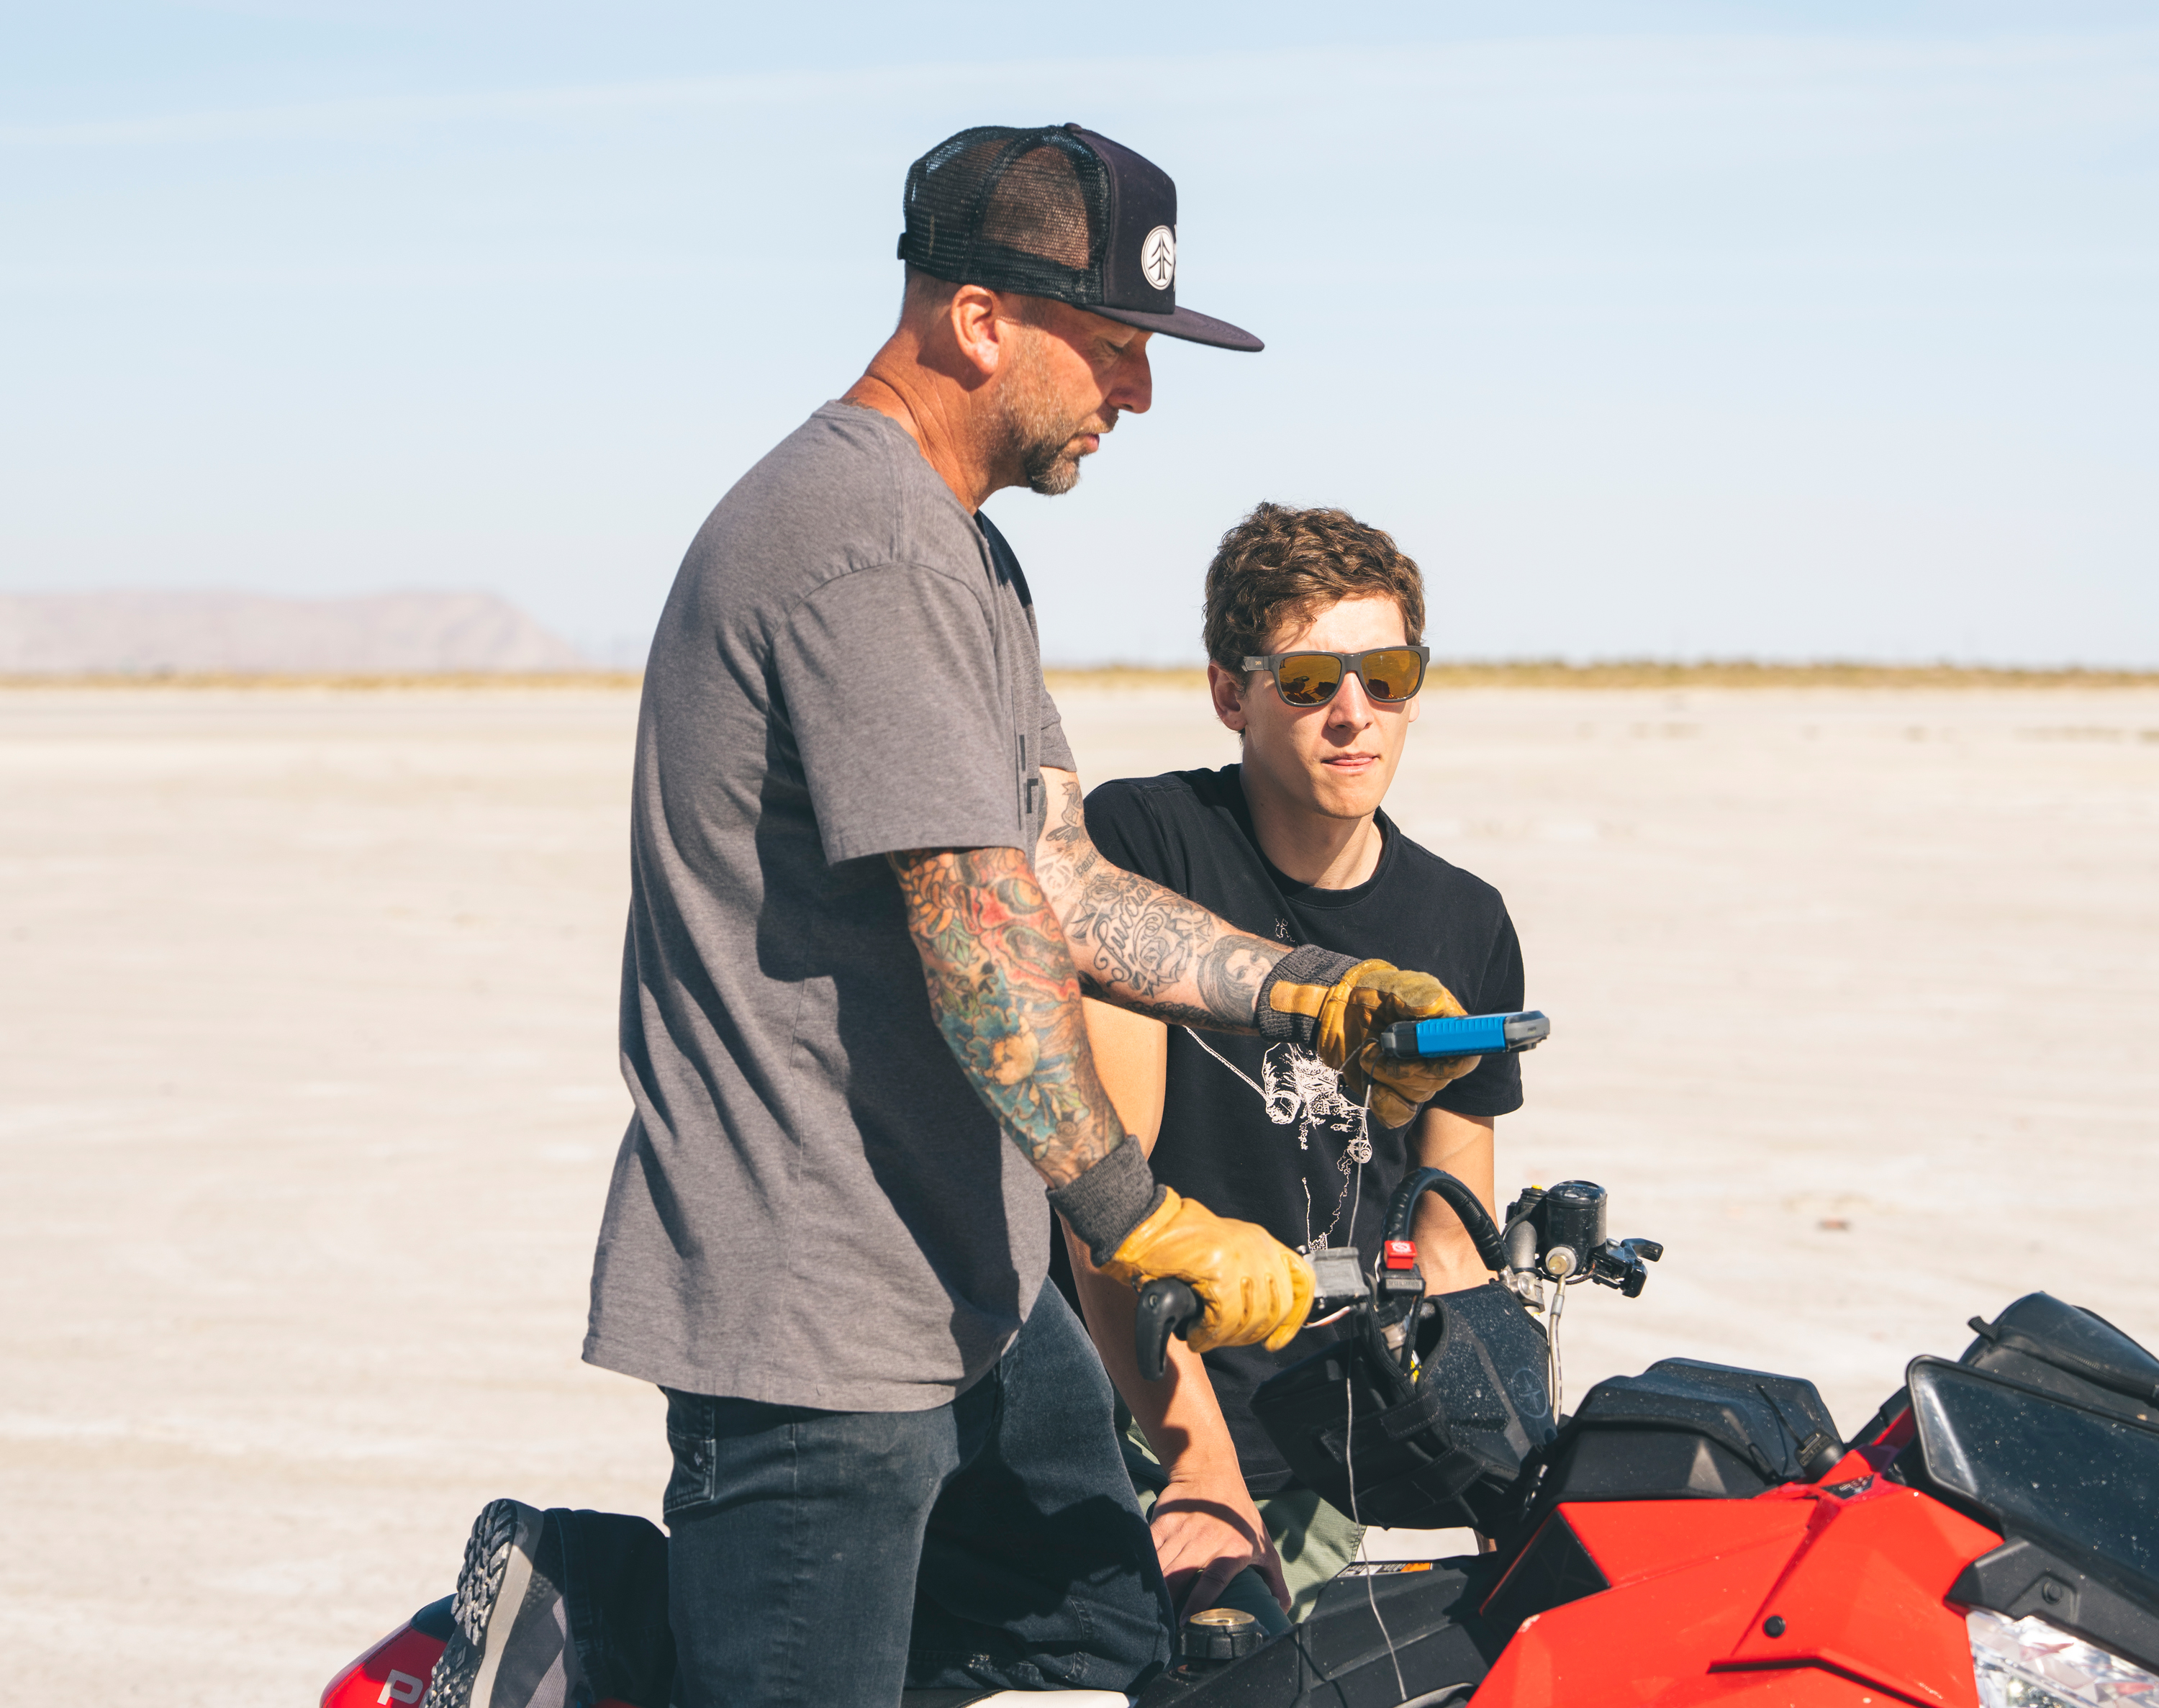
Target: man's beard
column 1034, row 429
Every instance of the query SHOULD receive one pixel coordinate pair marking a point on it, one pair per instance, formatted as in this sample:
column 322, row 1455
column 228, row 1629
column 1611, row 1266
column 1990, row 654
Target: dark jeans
column 831, row 1557
column 611, row 1570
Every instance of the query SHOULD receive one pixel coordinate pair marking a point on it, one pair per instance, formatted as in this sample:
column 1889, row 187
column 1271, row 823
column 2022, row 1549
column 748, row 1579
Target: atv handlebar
column 1553, row 1235
column 1168, row 1307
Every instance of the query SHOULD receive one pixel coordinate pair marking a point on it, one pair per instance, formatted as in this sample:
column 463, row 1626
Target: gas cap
column 1221, row 1634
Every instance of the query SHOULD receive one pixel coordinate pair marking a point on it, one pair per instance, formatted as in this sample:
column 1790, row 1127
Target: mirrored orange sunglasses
column 1389, row 673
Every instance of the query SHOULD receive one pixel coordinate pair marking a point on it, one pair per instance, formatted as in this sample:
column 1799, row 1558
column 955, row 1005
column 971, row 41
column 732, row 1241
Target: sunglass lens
column 1392, row 675
column 1308, row 678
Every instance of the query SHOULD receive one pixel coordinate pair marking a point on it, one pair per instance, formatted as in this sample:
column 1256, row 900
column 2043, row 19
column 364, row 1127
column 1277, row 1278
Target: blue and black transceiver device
column 1464, row 1035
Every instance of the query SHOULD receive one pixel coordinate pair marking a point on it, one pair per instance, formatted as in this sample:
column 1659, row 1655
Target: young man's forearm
column 1139, row 945
column 1206, row 1526
column 1181, row 1418
column 1006, row 997
column 1461, row 1145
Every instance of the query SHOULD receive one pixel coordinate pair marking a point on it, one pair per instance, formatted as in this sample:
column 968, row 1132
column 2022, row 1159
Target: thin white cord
column 1357, row 1196
column 1349, row 1466
column 1349, row 1382
column 1551, row 1335
column 1349, row 1452
column 1225, row 1061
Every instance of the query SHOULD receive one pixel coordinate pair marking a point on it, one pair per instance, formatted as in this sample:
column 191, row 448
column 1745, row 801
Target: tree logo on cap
column 1159, row 257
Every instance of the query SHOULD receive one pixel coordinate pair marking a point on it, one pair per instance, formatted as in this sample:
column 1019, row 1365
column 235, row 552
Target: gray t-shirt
column 812, row 1206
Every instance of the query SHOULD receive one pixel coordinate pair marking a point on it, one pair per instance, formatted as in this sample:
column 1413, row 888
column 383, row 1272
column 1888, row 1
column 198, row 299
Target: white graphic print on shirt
column 1301, row 1090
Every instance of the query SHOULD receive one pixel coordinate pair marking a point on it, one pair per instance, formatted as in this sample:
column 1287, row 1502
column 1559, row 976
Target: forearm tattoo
column 1006, row 997
column 1144, row 947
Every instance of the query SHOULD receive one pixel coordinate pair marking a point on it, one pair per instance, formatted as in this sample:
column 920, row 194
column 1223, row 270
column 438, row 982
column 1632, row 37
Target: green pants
column 1315, row 1540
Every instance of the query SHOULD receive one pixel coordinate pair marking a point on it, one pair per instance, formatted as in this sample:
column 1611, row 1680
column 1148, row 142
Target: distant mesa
column 153, row 633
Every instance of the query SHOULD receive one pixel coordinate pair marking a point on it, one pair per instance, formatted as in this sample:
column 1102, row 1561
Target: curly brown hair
column 1280, row 565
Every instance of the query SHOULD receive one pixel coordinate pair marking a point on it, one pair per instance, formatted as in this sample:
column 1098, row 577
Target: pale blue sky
column 1780, row 330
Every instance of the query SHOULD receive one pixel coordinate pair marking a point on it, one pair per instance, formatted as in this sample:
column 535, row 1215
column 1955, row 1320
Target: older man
column 864, row 907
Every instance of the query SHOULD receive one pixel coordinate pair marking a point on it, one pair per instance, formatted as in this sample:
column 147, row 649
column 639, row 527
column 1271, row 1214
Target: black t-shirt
column 1263, row 1132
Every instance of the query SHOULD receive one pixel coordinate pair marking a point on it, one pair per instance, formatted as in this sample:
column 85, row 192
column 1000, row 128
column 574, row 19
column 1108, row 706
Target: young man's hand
column 1252, row 1285
column 1206, row 1530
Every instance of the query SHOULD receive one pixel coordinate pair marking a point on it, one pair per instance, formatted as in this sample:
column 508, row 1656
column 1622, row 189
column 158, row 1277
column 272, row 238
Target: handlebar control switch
column 1219, row 1634
column 1399, row 1287
column 1338, row 1277
column 1558, row 1234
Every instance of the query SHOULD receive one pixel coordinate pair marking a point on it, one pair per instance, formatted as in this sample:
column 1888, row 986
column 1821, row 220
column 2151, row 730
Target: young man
column 1312, row 625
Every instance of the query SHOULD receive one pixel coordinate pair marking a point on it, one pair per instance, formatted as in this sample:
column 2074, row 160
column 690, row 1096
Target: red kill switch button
column 1400, row 1254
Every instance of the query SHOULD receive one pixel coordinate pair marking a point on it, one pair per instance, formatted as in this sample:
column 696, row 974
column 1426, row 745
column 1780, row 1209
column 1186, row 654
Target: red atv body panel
column 1852, row 1576
column 396, row 1670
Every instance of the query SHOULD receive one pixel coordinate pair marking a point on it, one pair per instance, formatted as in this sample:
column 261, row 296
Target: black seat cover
column 1683, row 1430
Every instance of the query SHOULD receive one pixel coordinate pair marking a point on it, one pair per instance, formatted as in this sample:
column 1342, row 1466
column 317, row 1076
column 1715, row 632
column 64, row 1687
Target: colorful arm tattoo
column 1006, row 997
column 1139, row 945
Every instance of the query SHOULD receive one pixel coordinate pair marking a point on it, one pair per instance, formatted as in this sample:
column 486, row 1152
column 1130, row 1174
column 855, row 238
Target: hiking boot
column 511, row 1647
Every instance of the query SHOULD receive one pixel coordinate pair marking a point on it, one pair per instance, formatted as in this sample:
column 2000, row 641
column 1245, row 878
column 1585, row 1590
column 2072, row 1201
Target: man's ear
column 979, row 329
column 1227, row 689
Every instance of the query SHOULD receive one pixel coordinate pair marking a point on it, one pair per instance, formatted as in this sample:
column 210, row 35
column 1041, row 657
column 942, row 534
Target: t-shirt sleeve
column 1126, row 833
column 1493, row 1087
column 889, row 680
column 1055, row 750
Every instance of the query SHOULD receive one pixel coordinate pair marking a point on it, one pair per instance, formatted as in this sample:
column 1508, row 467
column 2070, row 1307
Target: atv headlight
column 2027, row 1664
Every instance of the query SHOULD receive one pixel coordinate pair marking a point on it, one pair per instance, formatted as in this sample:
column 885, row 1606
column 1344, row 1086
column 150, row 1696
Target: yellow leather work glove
column 1253, row 1286
column 1346, row 1015
column 1371, row 996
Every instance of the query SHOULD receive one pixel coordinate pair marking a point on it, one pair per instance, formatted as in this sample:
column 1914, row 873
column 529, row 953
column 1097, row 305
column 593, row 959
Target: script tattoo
column 1144, row 947
column 1006, row 997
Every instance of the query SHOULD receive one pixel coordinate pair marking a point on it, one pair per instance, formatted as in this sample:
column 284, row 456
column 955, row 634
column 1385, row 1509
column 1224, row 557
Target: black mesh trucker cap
column 1060, row 212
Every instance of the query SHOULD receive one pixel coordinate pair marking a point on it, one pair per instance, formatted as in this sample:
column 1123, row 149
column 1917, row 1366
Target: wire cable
column 1225, row 1061
column 1349, row 1466
column 1349, row 1459
column 1552, row 1338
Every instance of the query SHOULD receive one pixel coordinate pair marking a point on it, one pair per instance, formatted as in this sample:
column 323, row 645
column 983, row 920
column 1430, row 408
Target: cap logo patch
column 1159, row 257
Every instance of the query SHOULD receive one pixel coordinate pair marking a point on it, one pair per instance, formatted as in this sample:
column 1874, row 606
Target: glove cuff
column 1106, row 1202
column 1293, row 990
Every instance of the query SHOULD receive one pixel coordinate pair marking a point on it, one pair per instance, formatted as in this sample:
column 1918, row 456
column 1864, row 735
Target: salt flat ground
column 308, row 1093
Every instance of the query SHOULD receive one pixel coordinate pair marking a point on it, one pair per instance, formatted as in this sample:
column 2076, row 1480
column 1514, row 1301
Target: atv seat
column 1683, row 1430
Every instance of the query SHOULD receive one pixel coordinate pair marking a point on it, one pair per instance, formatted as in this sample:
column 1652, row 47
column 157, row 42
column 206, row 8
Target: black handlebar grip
column 1167, row 1307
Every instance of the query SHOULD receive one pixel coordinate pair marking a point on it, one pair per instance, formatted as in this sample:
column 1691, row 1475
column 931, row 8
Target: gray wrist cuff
column 1109, row 1200
column 1308, row 964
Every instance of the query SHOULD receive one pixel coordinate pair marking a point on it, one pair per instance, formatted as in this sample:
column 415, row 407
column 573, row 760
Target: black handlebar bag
column 1427, row 1454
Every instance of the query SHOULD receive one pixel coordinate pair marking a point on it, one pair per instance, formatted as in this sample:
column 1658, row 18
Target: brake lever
column 1623, row 1264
